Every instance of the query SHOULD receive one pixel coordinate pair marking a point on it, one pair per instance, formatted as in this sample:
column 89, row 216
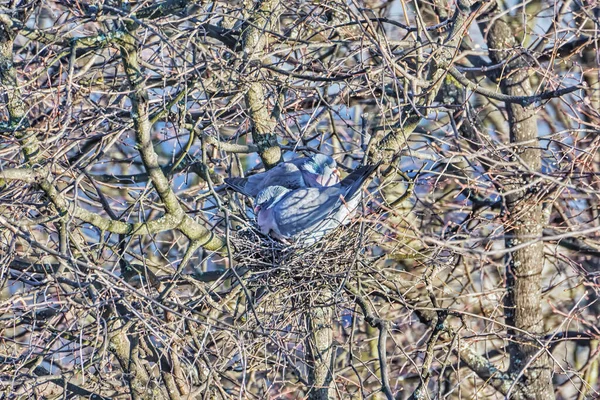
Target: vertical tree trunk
column 319, row 347
column 523, row 308
column 254, row 42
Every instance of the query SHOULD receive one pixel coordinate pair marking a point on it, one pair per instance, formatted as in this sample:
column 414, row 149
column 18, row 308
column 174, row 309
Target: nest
column 279, row 266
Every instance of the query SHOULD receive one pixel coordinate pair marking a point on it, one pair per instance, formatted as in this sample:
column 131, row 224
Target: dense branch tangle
column 122, row 119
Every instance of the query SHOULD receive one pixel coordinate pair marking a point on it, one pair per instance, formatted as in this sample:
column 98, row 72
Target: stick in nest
column 276, row 264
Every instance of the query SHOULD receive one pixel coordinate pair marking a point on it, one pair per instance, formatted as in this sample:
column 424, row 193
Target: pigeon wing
column 285, row 174
column 316, row 211
column 305, row 210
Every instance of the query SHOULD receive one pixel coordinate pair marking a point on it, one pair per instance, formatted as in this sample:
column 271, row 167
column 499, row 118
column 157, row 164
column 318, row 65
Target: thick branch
column 186, row 225
column 254, row 41
column 126, row 350
column 140, row 115
column 394, row 141
column 523, row 308
column 320, row 347
column 509, row 99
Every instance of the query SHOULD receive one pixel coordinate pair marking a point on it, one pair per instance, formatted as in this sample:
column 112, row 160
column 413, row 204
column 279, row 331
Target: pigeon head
column 268, row 196
column 321, row 170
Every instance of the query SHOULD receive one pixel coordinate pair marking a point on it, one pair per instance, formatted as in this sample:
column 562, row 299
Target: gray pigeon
column 314, row 171
column 308, row 214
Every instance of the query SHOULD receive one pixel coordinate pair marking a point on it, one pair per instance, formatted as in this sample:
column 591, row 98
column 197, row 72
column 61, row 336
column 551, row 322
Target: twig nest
column 277, row 265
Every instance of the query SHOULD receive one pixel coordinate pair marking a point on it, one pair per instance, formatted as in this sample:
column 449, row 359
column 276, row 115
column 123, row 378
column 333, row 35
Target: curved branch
column 184, row 223
column 382, row 326
column 139, row 104
column 522, row 100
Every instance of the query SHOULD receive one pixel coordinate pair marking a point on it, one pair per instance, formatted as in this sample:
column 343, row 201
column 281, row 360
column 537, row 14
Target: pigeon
column 308, row 214
column 314, row 171
column 319, row 170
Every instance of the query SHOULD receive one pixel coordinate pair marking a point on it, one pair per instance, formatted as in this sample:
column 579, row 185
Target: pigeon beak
column 336, row 172
column 256, row 210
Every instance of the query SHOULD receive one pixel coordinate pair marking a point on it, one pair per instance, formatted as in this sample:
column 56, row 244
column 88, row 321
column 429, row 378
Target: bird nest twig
column 279, row 266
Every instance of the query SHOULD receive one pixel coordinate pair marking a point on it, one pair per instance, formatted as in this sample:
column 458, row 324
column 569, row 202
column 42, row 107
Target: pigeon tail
column 353, row 182
column 238, row 184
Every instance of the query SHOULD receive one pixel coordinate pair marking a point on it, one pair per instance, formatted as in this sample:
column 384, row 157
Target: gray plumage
column 315, row 171
column 308, row 214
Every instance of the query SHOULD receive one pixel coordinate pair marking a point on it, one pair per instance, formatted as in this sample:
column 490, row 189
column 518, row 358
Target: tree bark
column 319, row 346
column 254, row 42
column 523, row 308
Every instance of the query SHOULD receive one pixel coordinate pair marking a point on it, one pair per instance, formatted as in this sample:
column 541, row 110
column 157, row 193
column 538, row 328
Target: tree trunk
column 525, row 222
column 319, row 347
column 263, row 124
